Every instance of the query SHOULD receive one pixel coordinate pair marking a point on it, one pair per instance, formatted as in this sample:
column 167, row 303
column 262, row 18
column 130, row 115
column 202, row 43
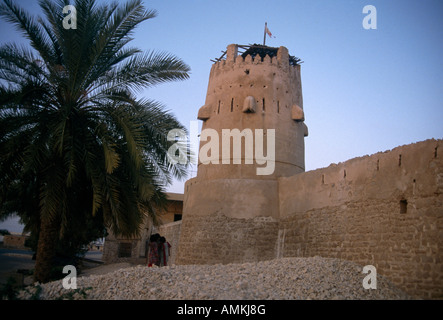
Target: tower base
column 234, row 223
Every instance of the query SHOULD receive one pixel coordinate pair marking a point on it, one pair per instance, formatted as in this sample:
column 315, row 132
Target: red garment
column 153, row 257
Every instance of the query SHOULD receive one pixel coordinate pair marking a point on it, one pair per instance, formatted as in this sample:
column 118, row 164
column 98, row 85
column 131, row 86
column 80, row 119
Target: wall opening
column 344, row 174
column 378, row 165
column 263, row 104
column 278, row 106
column 124, row 249
column 403, row 206
column 322, row 179
column 218, row 109
column 232, row 104
column 435, row 152
column 399, row 160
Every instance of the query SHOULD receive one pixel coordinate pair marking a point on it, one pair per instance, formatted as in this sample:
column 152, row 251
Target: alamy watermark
column 253, row 146
column 70, row 281
column 370, row 20
column 370, row 281
column 70, row 20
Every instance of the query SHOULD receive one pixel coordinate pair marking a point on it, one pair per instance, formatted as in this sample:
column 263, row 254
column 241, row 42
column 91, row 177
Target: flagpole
column 264, row 36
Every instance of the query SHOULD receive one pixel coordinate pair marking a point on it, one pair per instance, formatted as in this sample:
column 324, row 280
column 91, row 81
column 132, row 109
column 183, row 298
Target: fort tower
column 253, row 133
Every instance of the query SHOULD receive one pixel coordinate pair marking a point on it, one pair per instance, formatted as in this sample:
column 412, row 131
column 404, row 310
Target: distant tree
column 75, row 141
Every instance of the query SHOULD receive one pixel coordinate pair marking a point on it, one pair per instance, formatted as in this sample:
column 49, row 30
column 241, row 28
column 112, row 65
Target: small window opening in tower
column 399, row 160
column 435, row 152
column 278, row 106
column 378, row 165
column 264, row 105
column 232, row 104
column 218, row 109
column 403, row 206
column 344, row 174
column 247, row 71
column 322, row 179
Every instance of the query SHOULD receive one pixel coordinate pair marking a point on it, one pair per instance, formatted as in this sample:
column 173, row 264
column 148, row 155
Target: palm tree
column 73, row 134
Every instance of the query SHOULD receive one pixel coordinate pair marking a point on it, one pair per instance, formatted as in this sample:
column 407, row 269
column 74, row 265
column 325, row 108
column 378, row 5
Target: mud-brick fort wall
column 119, row 249
column 223, row 239
column 385, row 210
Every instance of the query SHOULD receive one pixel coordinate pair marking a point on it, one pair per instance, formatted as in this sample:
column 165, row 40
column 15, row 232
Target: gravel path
column 282, row 279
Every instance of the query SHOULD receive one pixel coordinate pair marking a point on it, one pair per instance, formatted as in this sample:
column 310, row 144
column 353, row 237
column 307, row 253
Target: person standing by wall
column 153, row 255
column 164, row 251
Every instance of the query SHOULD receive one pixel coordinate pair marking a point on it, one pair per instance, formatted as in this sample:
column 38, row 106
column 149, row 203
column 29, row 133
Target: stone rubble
column 279, row 279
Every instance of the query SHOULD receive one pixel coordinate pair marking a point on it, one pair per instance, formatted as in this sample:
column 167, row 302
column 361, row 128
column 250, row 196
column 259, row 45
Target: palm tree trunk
column 45, row 249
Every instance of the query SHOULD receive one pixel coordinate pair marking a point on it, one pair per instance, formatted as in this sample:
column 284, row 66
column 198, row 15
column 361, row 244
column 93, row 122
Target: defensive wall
column 384, row 210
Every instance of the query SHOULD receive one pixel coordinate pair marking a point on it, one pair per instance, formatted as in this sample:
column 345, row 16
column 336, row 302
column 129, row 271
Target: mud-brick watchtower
column 231, row 207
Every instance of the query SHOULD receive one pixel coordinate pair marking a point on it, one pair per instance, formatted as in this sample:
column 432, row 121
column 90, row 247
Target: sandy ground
column 103, row 269
column 282, row 279
column 92, row 269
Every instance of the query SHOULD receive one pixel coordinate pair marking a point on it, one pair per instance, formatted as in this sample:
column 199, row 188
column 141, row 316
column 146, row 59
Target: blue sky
column 364, row 91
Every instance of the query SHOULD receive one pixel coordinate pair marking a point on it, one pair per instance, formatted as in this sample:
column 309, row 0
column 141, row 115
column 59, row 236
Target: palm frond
column 142, row 71
column 30, row 28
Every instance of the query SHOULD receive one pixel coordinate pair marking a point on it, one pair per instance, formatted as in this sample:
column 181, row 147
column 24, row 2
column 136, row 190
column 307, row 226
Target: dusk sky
column 364, row 91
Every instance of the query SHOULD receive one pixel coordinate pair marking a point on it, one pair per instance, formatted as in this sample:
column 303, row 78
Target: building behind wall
column 15, row 240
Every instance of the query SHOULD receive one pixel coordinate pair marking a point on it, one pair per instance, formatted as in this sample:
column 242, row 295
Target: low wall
column 171, row 231
column 385, row 210
column 116, row 250
column 228, row 220
column 14, row 241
